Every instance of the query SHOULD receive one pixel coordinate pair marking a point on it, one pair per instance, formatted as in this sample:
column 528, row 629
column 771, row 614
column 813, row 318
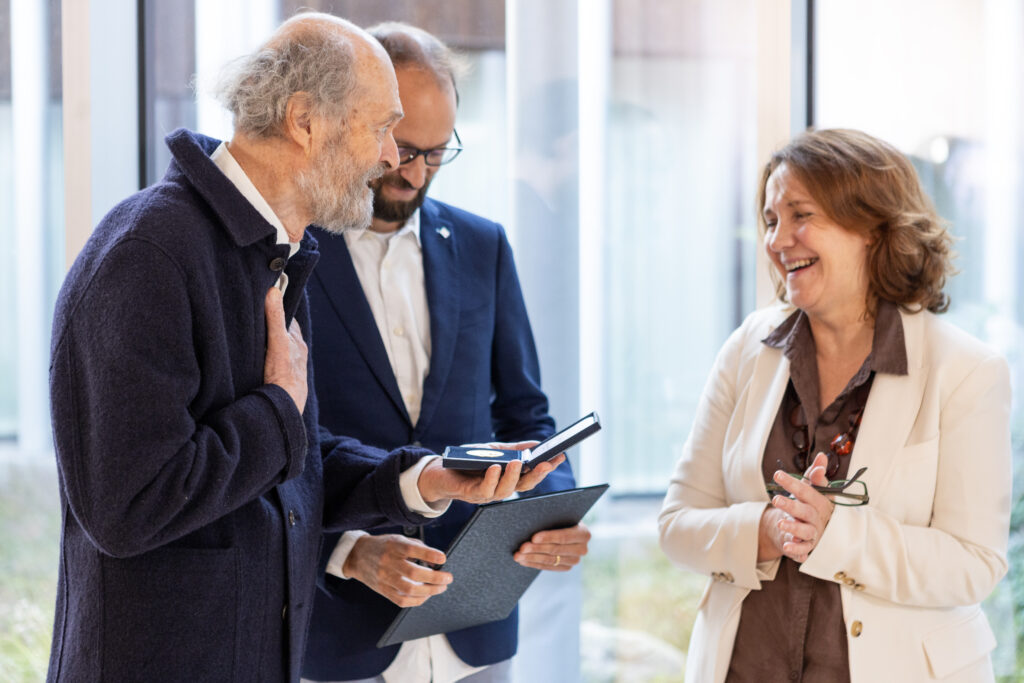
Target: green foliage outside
column 640, row 607
column 29, row 533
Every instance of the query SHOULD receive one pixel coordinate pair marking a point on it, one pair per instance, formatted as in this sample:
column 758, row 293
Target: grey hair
column 256, row 88
column 409, row 46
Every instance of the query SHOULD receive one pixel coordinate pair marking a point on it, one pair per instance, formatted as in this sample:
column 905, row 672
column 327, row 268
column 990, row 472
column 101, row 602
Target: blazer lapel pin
column 444, row 232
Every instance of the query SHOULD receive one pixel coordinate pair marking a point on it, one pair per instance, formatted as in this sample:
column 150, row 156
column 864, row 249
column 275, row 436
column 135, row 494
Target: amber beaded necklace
column 840, row 446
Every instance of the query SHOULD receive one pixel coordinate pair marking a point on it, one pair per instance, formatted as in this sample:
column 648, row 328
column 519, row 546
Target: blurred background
column 619, row 142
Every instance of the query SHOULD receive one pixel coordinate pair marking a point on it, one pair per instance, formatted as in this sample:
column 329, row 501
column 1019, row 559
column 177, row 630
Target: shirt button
column 291, row 517
column 399, row 331
column 277, row 265
column 856, row 628
column 794, row 675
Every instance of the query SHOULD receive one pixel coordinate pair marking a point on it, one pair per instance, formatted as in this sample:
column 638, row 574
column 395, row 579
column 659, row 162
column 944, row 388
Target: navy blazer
column 483, row 384
column 193, row 494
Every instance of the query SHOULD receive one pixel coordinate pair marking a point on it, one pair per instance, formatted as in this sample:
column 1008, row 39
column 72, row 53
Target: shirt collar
column 233, row 170
column 888, row 345
column 411, row 226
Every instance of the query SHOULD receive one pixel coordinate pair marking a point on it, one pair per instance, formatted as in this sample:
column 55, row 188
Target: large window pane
column 8, row 342
column 679, row 236
column 942, row 82
column 31, row 228
column 676, row 263
column 30, row 187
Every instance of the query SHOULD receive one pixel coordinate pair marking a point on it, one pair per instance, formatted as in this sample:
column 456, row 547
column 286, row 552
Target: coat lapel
column 768, row 383
column 339, row 280
column 891, row 411
column 440, row 248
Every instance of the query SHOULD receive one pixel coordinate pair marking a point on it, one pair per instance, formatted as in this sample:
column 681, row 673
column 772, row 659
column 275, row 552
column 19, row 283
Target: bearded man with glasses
column 422, row 339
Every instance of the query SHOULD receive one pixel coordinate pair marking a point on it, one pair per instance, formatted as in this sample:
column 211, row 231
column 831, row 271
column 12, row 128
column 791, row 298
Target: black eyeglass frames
column 437, row 156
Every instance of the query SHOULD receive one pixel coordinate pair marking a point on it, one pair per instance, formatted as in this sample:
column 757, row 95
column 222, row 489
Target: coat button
column 858, row 586
column 848, row 581
column 856, row 628
column 728, row 577
column 839, row 576
column 291, row 517
column 277, row 265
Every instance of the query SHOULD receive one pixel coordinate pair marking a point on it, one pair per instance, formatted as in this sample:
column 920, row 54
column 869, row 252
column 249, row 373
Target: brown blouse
column 793, row 628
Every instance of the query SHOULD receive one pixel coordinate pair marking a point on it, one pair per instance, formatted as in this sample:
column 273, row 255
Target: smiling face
column 822, row 264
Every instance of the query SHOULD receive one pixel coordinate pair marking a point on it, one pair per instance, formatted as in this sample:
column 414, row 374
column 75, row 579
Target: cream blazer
column 914, row 564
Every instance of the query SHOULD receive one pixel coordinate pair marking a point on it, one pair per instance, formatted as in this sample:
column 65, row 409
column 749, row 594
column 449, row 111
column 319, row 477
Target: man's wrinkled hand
column 438, row 483
column 389, row 565
column 286, row 360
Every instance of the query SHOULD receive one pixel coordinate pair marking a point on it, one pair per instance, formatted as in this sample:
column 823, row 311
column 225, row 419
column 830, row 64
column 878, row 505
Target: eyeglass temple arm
column 775, row 488
column 828, row 488
column 852, row 479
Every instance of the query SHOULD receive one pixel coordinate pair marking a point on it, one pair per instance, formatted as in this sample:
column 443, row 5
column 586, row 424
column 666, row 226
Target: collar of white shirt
column 412, row 226
column 230, row 167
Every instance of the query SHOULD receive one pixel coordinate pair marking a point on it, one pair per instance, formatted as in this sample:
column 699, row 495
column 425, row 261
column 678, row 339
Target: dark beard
column 393, row 211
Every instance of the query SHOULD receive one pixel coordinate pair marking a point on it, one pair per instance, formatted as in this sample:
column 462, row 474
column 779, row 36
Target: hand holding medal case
column 481, row 457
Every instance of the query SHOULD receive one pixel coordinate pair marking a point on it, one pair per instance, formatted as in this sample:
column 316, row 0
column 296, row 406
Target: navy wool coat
column 483, row 384
column 193, row 494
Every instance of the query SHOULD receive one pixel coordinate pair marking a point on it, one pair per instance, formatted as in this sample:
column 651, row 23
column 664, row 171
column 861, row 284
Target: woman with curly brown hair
column 846, row 483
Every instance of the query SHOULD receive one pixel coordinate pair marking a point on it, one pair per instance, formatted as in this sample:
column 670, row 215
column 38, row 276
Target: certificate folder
column 486, row 582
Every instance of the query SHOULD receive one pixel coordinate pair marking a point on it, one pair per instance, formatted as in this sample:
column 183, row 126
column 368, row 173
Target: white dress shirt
column 390, row 270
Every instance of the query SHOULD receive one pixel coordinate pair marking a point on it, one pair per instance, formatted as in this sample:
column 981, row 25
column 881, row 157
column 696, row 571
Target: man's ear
column 298, row 121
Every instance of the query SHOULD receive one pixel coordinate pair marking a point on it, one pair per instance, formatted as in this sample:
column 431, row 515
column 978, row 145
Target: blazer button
column 728, row 577
column 848, row 581
column 410, row 531
column 277, row 265
column 858, row 586
column 291, row 517
column 839, row 576
column 417, row 444
column 856, row 628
